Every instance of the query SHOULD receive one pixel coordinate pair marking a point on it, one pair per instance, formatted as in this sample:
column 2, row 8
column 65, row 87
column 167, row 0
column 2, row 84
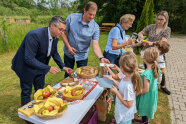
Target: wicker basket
column 73, row 98
column 87, row 76
column 51, row 116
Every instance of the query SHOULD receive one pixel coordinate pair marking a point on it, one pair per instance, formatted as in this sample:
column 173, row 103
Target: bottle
column 71, row 74
column 101, row 70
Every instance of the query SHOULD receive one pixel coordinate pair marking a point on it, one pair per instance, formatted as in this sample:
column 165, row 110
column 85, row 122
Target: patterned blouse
column 151, row 32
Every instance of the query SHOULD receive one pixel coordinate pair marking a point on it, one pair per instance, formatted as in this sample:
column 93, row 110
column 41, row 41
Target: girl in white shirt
column 129, row 86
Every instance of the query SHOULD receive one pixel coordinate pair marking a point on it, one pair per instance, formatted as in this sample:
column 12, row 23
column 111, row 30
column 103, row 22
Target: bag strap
column 120, row 32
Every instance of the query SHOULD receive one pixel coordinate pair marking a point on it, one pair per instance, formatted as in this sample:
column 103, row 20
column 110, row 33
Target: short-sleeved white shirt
column 161, row 62
column 122, row 113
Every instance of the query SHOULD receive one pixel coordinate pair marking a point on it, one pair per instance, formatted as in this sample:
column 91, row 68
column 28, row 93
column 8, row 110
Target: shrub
column 21, row 11
column 43, row 19
column 4, row 11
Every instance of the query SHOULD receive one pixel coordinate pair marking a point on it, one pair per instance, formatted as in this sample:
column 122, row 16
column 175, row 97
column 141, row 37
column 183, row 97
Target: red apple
column 46, row 93
column 73, row 93
column 50, row 108
column 81, row 92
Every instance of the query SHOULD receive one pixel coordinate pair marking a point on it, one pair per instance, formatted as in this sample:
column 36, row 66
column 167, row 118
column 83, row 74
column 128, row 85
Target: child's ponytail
column 136, row 80
column 155, row 69
column 151, row 56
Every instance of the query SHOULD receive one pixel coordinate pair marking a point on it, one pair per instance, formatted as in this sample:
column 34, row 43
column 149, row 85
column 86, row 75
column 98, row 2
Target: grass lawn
column 10, row 89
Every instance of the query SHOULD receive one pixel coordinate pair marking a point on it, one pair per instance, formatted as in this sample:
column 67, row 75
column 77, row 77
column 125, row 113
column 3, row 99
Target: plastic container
column 101, row 70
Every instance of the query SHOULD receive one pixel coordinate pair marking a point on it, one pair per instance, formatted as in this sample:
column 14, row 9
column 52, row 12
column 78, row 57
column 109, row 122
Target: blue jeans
column 114, row 59
column 69, row 62
column 128, row 122
column 26, row 88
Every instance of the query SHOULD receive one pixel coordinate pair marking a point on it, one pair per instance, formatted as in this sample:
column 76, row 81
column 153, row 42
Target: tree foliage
column 147, row 15
column 177, row 13
column 108, row 10
column 112, row 10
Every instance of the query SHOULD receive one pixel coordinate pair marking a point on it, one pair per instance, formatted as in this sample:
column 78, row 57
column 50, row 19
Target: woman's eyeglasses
column 160, row 19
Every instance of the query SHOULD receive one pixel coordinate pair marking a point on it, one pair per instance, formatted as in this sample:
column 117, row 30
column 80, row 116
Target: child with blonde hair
column 119, row 75
column 147, row 101
column 129, row 86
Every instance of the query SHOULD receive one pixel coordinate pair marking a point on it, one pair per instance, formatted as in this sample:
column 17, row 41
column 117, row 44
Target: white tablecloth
column 74, row 113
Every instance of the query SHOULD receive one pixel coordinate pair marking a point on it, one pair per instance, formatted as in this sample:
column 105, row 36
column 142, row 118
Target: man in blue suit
column 31, row 60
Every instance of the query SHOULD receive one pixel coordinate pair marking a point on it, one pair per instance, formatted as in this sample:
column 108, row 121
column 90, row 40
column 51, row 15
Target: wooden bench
column 107, row 26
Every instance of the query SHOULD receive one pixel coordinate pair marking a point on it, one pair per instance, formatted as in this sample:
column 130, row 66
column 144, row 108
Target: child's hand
column 115, row 67
column 114, row 90
column 108, row 77
column 106, row 68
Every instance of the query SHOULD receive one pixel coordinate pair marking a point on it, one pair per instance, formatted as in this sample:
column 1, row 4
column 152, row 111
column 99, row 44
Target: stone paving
column 176, row 78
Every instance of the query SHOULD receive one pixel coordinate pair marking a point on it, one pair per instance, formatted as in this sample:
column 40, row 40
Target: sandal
column 165, row 90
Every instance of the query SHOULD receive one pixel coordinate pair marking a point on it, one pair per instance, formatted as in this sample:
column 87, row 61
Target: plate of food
column 87, row 72
column 70, row 82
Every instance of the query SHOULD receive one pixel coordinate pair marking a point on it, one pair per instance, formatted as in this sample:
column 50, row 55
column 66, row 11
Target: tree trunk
column 1, row 36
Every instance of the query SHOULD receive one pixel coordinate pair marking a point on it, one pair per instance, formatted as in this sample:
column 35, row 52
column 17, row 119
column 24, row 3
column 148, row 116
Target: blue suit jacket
column 31, row 58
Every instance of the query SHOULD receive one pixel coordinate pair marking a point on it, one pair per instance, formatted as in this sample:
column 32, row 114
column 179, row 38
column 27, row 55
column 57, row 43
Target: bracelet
column 101, row 58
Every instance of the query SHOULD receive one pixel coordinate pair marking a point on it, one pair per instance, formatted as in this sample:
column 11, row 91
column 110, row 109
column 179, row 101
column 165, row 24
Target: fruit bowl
column 51, row 108
column 73, row 93
column 43, row 94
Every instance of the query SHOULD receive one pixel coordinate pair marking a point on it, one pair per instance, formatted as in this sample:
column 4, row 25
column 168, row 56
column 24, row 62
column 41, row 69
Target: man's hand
column 72, row 50
column 66, row 69
column 54, row 70
column 104, row 60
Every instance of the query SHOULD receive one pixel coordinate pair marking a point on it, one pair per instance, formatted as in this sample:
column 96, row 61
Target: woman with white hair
column 158, row 32
column 117, row 38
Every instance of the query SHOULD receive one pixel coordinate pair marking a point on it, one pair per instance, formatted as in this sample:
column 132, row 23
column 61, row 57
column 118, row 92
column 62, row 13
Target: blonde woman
column 158, row 32
column 116, row 39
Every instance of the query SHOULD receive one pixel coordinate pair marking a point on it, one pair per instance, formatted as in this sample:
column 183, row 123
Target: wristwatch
column 101, row 58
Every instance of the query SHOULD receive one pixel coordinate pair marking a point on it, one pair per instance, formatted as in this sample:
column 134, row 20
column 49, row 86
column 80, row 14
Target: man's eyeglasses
column 60, row 29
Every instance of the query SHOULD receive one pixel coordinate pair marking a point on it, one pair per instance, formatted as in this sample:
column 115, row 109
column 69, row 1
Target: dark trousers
column 145, row 120
column 114, row 59
column 26, row 88
column 69, row 62
column 163, row 77
column 163, row 80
